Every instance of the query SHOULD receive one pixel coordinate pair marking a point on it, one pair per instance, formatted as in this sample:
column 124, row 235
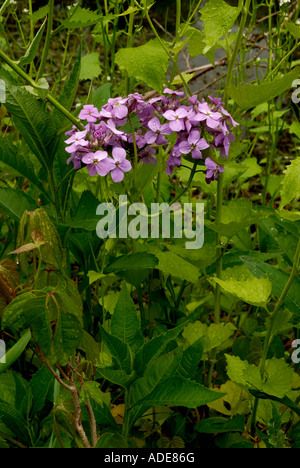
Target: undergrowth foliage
column 139, row 342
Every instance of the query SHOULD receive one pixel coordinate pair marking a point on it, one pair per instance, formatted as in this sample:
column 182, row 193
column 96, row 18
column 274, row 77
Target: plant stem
column 49, row 97
column 47, row 40
column 272, row 318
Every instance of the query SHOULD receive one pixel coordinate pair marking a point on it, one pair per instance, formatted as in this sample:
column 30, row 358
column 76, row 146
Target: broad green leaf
column 125, row 324
column 15, row 352
column 235, row 400
column 218, row 18
column 40, row 384
column 80, row 18
column 178, row 391
column 278, row 381
column 278, row 279
column 191, row 358
column 117, row 377
column 39, row 14
column 93, row 390
column 290, row 185
column 136, row 261
column 217, row 425
column 14, row 202
column 90, row 66
column 293, row 29
column 250, row 95
column 112, row 440
column 295, row 128
column 172, row 264
column 12, row 157
column 214, row 335
column 153, row 348
column 32, row 119
column 16, row 423
column 242, row 284
column 236, row 216
column 101, row 95
column 148, row 63
column 31, row 52
column 285, row 241
column 119, row 350
column 67, row 337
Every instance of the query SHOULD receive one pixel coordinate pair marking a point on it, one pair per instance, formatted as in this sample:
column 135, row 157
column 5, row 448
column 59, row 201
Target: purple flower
column 118, row 108
column 176, row 118
column 147, row 156
column 206, row 114
column 157, row 132
column 213, row 170
column 118, row 165
column 194, row 145
column 172, row 162
column 89, row 113
column 76, row 140
column 223, row 139
column 96, row 163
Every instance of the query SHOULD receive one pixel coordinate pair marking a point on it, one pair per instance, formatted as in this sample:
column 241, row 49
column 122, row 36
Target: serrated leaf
column 79, row 17
column 178, row 391
column 279, row 279
column 14, row 202
column 293, row 29
column 148, row 63
column 90, row 66
column 218, row 18
column 119, row 350
column 240, row 283
column 290, row 185
column 125, row 323
column 172, row 264
column 278, row 380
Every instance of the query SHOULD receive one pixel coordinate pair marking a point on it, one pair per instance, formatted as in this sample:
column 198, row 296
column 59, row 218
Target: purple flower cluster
column 105, row 147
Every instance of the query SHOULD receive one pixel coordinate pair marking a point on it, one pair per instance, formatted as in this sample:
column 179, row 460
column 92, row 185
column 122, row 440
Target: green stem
column 4, row 6
column 49, row 98
column 236, row 48
column 217, row 305
column 47, row 40
column 268, row 337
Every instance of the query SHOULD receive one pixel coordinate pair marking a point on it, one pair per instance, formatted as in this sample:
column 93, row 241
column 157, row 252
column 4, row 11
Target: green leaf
column 15, row 352
column 93, row 390
column 39, row 14
column 31, row 52
column 178, row 391
column 293, row 29
column 153, row 348
column 90, row 66
column 101, row 95
column 250, row 95
column 214, row 335
column 13, row 158
column 236, row 216
column 40, row 384
column 125, row 324
column 80, row 18
column 32, row 119
column 191, row 358
column 148, row 63
column 240, row 283
column 278, row 380
column 218, row 18
column 279, row 279
column 119, row 350
column 290, row 185
column 112, row 440
column 14, row 202
column 136, row 261
column 217, row 425
column 172, row 264
column 67, row 338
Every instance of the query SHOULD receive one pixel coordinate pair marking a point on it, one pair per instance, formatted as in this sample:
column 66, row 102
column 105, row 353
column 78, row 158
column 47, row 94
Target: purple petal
column 117, row 175
column 119, row 154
